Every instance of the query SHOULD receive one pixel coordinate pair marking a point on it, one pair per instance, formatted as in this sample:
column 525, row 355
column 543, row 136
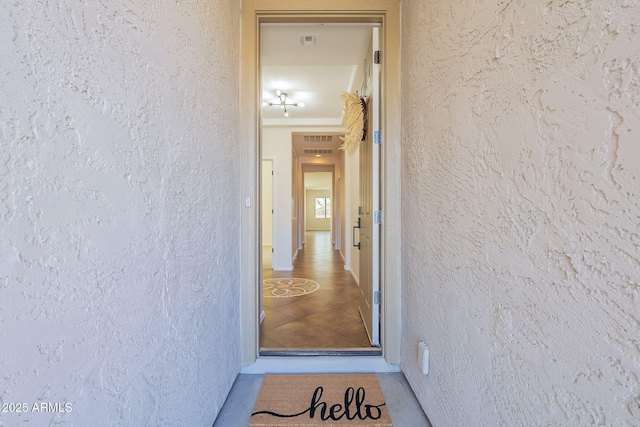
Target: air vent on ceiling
column 318, row 138
column 318, row 151
column 308, row 39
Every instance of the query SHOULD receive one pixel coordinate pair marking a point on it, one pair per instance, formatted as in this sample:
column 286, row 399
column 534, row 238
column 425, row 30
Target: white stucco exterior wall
column 521, row 210
column 119, row 248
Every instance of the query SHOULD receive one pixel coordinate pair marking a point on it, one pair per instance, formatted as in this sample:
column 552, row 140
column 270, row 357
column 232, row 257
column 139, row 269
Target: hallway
column 326, row 318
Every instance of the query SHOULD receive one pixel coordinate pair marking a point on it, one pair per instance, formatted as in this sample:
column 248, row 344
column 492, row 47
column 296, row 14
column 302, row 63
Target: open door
column 369, row 211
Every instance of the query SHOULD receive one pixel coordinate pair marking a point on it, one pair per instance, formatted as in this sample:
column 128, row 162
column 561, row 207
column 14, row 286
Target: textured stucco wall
column 521, row 210
column 118, row 210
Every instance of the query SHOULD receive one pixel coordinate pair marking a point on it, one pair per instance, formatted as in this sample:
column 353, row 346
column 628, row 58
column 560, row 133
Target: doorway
column 386, row 13
column 305, row 68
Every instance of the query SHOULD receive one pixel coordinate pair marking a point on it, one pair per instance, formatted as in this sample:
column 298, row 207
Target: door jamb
column 386, row 12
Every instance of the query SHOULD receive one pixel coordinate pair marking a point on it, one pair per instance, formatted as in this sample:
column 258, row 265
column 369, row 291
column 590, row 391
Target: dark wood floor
column 325, row 319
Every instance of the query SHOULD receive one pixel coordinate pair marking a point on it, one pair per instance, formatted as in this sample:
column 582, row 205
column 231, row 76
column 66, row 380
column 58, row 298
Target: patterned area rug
column 288, row 287
column 327, row 400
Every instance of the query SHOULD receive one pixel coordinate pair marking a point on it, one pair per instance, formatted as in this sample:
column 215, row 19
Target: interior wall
column 521, row 210
column 267, row 202
column 296, row 184
column 352, row 169
column 342, row 213
column 336, row 204
column 276, row 145
column 311, row 222
column 119, row 200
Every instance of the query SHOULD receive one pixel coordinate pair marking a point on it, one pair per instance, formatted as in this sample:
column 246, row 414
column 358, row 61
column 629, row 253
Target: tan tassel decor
column 355, row 111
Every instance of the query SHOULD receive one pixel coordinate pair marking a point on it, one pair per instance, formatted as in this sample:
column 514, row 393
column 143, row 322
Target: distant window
column 323, row 207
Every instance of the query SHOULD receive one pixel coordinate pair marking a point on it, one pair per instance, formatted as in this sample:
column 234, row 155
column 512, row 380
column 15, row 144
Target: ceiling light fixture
column 282, row 102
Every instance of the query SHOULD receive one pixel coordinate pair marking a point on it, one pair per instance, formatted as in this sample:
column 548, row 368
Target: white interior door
column 369, row 212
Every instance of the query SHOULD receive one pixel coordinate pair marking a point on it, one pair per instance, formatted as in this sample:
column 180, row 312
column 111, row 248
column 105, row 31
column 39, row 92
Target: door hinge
column 376, row 297
column 272, row 250
column 377, row 137
column 377, row 217
column 377, row 59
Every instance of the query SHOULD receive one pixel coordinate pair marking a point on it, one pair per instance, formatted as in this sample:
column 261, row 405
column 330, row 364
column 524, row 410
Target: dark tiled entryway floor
column 325, row 319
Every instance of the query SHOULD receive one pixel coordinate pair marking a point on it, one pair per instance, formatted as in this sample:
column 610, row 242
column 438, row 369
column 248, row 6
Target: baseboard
column 354, row 277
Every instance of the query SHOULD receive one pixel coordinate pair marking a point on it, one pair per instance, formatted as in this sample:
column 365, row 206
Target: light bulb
column 301, row 104
column 286, row 113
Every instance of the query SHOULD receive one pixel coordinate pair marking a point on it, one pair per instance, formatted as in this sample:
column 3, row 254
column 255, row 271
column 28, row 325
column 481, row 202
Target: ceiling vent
column 318, row 151
column 318, row 138
column 308, row 40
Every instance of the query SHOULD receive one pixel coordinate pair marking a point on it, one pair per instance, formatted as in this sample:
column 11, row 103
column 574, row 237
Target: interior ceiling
column 315, row 72
column 304, row 144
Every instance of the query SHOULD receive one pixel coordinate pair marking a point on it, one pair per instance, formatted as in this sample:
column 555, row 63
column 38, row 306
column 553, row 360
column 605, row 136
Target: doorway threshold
column 319, row 364
column 315, row 352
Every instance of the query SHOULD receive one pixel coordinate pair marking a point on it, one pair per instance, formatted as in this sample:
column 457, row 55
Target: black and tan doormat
column 320, row 400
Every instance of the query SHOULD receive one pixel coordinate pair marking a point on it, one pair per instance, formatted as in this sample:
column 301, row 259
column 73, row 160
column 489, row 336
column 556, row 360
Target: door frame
column 387, row 13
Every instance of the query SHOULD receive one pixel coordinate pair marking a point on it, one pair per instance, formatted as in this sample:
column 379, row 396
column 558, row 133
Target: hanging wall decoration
column 355, row 120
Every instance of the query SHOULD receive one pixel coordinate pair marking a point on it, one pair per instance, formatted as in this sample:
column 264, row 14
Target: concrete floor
column 404, row 409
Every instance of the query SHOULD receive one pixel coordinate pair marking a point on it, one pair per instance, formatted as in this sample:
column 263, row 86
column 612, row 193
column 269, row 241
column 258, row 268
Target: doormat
column 288, row 287
column 320, row 400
